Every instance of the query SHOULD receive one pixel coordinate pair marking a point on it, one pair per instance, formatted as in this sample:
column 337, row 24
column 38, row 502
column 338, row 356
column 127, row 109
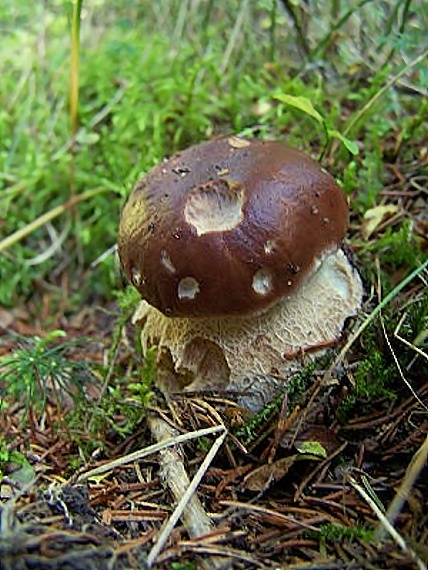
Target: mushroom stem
column 253, row 355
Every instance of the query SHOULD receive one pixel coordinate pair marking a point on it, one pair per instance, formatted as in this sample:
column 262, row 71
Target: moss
column 373, row 377
column 295, row 389
column 330, row 533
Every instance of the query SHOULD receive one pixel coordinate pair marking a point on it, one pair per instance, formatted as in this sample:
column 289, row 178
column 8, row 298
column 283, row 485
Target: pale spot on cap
column 188, row 288
column 269, row 247
column 237, row 142
column 136, row 277
column 262, row 281
column 166, row 262
column 214, row 207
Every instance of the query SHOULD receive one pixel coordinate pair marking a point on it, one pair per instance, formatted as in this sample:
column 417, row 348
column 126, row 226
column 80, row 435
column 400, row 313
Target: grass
column 93, row 94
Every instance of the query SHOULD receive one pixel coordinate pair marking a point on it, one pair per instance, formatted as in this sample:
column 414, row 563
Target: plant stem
column 47, row 217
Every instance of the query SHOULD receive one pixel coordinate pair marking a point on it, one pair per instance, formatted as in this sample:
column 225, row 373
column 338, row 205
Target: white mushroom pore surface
column 253, row 355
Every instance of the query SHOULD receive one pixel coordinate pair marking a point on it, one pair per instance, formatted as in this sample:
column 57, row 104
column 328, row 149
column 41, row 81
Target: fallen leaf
column 375, row 216
column 313, row 448
column 319, row 436
column 23, row 476
column 262, row 477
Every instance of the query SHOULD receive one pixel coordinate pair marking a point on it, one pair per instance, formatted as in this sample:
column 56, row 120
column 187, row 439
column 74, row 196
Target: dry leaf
column 375, row 216
column 315, row 433
column 262, row 477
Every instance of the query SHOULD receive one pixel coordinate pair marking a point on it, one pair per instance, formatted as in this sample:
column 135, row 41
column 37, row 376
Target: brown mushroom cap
column 228, row 227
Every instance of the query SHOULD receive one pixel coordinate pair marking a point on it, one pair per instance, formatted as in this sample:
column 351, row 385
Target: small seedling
column 39, row 370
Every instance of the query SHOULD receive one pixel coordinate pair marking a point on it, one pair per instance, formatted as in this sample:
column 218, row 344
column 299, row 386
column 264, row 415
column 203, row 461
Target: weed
column 116, row 414
column 8, row 456
column 398, row 247
column 370, row 178
column 142, row 390
column 128, row 299
column 120, row 409
column 40, row 369
column 183, row 566
column 330, row 533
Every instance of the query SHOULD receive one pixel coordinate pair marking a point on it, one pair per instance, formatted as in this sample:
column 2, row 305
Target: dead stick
column 414, row 469
column 188, row 508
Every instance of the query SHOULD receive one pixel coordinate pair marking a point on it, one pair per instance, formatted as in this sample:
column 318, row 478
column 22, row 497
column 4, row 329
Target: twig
column 406, row 342
column 268, row 513
column 112, row 249
column 45, row 218
column 387, row 525
column 413, row 471
column 316, row 470
column 189, row 508
column 150, row 450
column 57, row 241
column 225, row 552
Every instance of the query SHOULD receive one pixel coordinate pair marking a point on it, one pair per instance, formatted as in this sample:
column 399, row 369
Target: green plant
column 142, row 390
column 120, row 407
column 305, row 105
column 183, row 566
column 40, row 369
column 398, row 247
column 89, row 421
column 8, row 456
column 128, row 299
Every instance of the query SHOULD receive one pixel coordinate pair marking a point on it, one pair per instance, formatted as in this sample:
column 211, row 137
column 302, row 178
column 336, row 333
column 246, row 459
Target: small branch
column 414, row 469
column 301, row 37
column 189, row 508
column 387, row 525
column 45, row 218
column 150, row 450
column 174, row 475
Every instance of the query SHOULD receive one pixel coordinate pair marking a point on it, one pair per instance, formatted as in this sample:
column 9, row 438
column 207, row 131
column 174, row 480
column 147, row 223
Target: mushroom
column 235, row 247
